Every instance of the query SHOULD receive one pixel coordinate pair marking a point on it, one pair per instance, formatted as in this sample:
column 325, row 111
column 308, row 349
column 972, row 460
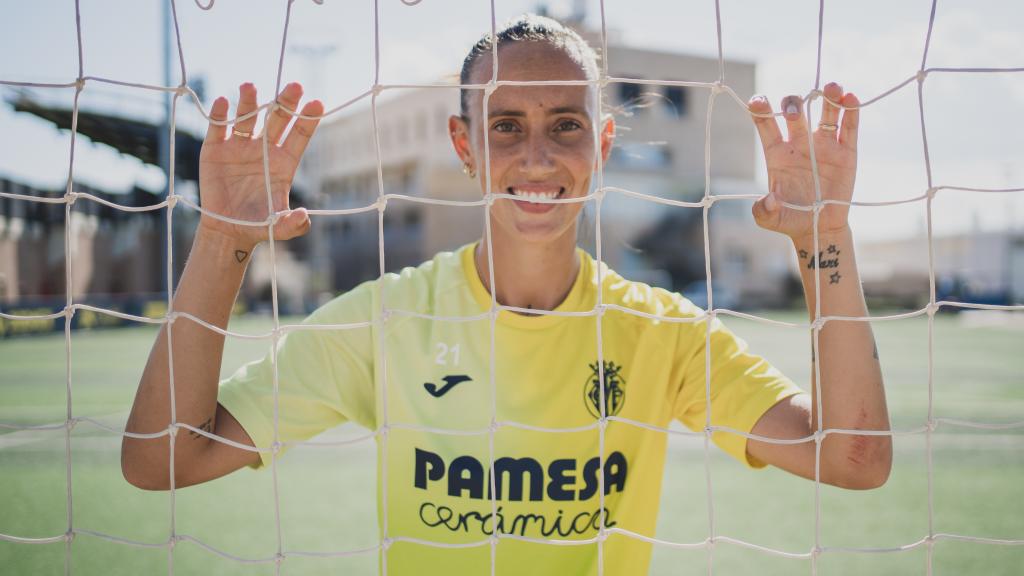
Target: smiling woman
column 560, row 434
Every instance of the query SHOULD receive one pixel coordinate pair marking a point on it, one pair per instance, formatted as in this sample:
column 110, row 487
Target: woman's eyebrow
column 551, row 112
column 567, row 110
column 515, row 113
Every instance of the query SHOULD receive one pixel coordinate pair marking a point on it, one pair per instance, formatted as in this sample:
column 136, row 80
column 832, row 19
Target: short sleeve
column 325, row 378
column 743, row 387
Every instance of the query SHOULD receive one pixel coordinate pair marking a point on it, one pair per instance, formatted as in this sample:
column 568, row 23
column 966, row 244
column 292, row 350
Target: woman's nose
column 537, row 159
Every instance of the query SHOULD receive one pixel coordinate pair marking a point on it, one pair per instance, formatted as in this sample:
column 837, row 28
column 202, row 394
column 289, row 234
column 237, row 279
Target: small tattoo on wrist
column 241, row 255
column 205, row 427
column 803, row 254
column 834, row 278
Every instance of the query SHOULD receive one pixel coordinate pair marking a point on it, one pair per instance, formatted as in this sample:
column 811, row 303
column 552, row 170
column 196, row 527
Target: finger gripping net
column 715, row 89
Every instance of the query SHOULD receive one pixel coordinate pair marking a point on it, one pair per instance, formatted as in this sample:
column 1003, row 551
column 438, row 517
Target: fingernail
column 792, row 109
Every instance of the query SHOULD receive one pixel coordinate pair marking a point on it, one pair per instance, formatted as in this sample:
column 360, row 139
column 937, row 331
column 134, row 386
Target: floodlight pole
column 163, row 150
column 321, row 265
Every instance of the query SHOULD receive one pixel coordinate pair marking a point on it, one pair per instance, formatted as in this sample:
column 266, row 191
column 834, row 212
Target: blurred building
column 982, row 267
column 118, row 258
column 659, row 151
column 111, row 251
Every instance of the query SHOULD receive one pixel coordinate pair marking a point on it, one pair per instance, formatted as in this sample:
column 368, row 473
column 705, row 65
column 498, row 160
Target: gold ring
column 238, row 132
column 828, row 127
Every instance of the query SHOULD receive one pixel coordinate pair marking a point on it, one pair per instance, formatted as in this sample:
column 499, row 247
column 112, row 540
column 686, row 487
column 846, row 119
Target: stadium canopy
column 130, row 136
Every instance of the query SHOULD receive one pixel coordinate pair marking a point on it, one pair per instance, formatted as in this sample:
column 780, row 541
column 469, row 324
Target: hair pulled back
column 529, row 28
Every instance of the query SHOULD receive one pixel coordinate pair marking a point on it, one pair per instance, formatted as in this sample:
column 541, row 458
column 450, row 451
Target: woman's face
column 541, row 140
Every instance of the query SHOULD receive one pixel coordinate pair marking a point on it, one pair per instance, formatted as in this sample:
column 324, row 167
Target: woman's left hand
column 789, row 163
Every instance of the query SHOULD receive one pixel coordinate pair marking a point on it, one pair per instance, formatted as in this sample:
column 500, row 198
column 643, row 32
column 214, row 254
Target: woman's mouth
column 533, row 197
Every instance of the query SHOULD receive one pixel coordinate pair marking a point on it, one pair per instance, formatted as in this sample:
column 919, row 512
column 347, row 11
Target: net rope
column 716, row 89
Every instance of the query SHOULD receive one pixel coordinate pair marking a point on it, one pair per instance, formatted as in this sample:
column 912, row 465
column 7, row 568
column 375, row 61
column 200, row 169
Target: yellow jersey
column 411, row 375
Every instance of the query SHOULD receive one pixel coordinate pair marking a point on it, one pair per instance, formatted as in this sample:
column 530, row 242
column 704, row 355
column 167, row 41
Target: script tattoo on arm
column 205, row 427
column 825, row 259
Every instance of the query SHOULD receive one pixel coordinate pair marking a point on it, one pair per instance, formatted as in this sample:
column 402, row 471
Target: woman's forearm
column 207, row 290
column 852, row 391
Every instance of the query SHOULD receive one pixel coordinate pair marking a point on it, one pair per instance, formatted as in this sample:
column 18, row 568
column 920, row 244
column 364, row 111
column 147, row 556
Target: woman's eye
column 568, row 126
column 504, row 126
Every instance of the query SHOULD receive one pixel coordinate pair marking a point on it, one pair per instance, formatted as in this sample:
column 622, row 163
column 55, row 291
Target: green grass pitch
column 327, row 494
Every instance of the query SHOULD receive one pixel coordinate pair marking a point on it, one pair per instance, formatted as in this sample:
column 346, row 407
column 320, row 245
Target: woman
column 409, row 374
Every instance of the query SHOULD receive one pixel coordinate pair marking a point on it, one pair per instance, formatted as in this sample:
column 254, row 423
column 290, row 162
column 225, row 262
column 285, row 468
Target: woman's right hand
column 231, row 176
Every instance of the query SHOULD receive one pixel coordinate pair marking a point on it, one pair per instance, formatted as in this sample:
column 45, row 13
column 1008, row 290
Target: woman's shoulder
column 413, row 288
column 641, row 298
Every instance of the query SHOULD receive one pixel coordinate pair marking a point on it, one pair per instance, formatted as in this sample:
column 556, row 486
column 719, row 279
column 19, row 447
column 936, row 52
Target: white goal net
column 183, row 95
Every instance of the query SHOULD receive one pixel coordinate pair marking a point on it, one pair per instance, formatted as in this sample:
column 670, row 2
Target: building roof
column 134, row 137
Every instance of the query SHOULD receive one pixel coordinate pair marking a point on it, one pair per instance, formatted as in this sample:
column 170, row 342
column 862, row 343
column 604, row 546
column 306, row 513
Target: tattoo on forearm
column 205, row 427
column 822, row 262
column 241, row 255
column 828, row 258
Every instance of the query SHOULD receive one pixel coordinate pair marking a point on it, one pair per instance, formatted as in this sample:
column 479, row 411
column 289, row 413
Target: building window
column 441, row 120
column 403, row 132
column 629, row 93
column 412, row 218
column 676, row 100
column 421, row 126
column 640, row 156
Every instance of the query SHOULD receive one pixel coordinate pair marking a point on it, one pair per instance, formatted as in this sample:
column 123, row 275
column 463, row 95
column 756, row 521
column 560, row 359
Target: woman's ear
column 458, row 130
column 607, row 137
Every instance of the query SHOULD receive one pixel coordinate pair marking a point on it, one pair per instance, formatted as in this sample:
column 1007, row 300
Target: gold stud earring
column 469, row 170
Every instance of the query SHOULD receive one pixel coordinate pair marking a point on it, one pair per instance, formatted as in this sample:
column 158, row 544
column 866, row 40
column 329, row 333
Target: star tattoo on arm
column 834, row 278
column 205, row 427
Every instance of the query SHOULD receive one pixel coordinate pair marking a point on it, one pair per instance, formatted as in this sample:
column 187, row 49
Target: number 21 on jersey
column 447, row 354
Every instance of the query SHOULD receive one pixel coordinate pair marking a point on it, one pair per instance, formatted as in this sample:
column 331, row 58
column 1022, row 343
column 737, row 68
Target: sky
column 974, row 125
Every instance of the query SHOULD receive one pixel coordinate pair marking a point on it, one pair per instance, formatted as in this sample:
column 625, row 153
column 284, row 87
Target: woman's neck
column 530, row 275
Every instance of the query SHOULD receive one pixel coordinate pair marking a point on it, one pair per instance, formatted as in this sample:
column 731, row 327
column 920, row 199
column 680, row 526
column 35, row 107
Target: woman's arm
column 231, row 184
column 852, row 391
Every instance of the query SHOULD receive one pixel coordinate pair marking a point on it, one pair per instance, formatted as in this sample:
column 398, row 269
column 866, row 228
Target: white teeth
column 534, row 196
